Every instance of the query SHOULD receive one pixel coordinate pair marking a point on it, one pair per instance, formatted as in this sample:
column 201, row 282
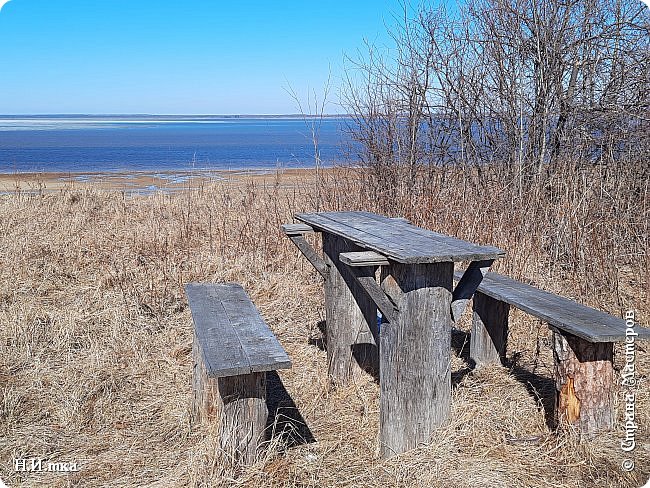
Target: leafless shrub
column 520, row 84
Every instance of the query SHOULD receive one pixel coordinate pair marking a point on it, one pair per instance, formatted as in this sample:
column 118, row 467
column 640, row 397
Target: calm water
column 163, row 143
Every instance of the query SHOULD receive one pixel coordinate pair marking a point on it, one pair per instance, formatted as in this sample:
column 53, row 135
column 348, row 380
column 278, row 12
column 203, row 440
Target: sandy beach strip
column 135, row 182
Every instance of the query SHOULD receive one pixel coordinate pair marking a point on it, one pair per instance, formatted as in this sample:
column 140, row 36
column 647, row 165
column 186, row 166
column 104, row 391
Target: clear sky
column 192, row 56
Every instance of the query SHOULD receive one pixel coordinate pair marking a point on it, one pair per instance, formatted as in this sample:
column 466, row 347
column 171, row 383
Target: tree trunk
column 583, row 380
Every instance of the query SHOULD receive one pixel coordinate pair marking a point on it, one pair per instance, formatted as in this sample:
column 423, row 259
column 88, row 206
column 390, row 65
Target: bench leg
column 489, row 330
column 238, row 403
column 351, row 316
column 243, row 417
column 415, row 370
column 584, row 382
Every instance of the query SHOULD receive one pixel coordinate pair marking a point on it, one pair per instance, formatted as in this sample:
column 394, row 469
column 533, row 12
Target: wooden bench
column 583, row 349
column 233, row 348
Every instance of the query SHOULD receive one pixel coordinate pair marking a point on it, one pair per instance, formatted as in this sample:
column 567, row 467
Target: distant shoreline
column 143, row 182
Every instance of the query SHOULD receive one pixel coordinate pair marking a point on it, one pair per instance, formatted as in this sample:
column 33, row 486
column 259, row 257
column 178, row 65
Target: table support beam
column 467, row 286
column 366, row 278
column 311, row 255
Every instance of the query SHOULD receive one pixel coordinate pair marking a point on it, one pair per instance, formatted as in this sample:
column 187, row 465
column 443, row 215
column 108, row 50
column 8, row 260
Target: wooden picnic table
column 417, row 302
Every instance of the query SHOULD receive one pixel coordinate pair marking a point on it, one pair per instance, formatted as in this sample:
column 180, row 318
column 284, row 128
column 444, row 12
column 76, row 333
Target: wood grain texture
column 205, row 390
column 397, row 240
column 489, row 330
column 415, row 369
column 243, row 416
column 562, row 313
column 351, row 316
column 584, row 378
column 364, row 258
column 366, row 277
column 233, row 337
column 236, row 403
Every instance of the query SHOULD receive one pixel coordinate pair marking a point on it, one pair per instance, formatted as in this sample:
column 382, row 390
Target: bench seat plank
column 562, row 313
column 233, row 337
column 396, row 239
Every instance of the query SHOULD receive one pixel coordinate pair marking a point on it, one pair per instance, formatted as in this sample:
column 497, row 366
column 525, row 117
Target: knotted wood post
column 489, row 330
column 583, row 379
column 237, row 404
column 415, row 362
column 351, row 316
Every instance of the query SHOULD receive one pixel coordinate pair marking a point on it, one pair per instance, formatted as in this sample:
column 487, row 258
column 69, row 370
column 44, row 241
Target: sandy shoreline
column 142, row 182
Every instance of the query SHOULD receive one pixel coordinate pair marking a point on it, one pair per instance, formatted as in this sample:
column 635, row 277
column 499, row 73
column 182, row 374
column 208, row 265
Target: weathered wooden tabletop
column 398, row 240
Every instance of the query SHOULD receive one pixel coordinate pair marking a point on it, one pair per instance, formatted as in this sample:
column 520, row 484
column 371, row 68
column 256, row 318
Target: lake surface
column 74, row 144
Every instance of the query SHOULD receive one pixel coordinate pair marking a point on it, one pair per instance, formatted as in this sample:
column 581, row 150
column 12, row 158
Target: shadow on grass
column 460, row 345
column 285, row 422
column 539, row 388
column 366, row 355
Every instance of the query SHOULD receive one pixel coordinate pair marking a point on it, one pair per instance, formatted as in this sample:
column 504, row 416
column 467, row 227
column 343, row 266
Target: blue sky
column 163, row 57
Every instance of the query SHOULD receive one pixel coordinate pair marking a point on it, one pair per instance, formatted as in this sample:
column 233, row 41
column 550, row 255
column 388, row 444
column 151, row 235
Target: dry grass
column 95, row 335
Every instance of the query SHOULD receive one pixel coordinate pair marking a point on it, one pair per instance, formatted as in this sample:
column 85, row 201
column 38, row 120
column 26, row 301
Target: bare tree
column 524, row 84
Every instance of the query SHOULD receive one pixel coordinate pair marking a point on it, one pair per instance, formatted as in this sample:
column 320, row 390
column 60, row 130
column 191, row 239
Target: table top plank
column 398, row 240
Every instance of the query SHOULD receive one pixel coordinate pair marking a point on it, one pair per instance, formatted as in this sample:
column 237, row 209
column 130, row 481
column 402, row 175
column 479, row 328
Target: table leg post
column 351, row 316
column 415, row 359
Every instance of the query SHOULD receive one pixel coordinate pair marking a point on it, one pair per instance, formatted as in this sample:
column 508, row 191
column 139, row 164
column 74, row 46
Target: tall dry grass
column 95, row 333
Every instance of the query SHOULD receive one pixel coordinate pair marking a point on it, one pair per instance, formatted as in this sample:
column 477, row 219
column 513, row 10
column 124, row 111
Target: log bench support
column 237, row 404
column 584, row 378
column 233, row 349
column 583, row 347
column 489, row 335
